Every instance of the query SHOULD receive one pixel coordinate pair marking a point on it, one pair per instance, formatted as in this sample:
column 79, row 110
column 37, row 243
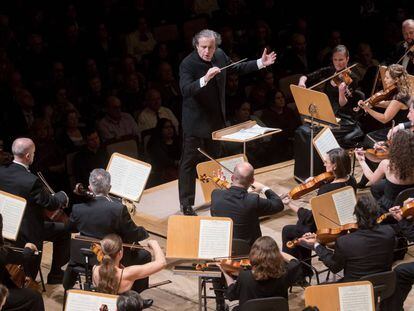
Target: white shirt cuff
column 265, row 189
column 401, row 126
column 316, row 245
column 260, row 64
column 202, row 82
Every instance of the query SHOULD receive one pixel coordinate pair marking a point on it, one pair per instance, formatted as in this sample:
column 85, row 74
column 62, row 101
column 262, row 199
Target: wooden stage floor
column 158, row 203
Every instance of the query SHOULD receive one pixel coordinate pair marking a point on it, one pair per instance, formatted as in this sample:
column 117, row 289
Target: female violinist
column 19, row 298
column 343, row 96
column 398, row 170
column 338, row 162
column 271, row 275
column 365, row 251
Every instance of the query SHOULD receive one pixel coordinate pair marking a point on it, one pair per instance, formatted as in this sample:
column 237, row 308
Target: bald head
column 23, row 150
column 408, row 30
column 243, row 174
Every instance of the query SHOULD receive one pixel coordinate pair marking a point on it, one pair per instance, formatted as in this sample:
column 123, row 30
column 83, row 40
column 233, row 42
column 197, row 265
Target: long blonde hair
column 400, row 76
column 108, row 282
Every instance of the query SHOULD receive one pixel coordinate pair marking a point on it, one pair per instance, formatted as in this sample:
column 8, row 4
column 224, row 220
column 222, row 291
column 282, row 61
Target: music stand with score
column 316, row 109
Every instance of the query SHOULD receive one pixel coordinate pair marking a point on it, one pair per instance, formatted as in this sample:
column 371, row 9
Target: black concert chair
column 404, row 195
column 384, row 285
column 266, row 304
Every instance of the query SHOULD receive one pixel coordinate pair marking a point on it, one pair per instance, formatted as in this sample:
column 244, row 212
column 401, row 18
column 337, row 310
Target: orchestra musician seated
column 16, row 178
column 18, row 298
column 103, row 215
column 271, row 274
column 365, row 251
column 129, row 300
column 405, row 271
column 338, row 162
column 111, row 277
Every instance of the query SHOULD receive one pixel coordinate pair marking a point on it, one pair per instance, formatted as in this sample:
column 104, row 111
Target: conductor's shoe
column 188, row 211
column 147, row 303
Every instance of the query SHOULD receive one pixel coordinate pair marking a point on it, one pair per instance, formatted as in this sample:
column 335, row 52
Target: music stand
column 316, row 109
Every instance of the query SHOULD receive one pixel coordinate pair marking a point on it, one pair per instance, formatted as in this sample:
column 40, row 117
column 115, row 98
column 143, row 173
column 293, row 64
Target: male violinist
column 202, row 85
column 365, row 251
column 403, row 48
column 103, row 215
column 17, row 179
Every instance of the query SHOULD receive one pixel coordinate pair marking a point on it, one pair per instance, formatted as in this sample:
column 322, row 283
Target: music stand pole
column 312, row 111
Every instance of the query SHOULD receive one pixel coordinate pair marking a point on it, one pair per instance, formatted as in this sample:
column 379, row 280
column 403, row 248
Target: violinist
column 19, row 298
column 103, row 215
column 365, row 251
column 17, row 179
column 404, row 272
column 400, row 54
column 338, row 162
column 397, row 170
column 111, row 277
column 271, row 275
column 343, row 96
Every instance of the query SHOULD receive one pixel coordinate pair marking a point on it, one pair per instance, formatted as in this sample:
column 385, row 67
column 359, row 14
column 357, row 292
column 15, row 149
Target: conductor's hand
column 268, row 59
column 211, row 73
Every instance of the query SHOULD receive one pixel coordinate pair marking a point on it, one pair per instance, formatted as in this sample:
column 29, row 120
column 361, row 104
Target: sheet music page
column 326, row 142
column 128, row 178
column 89, row 302
column 259, row 129
column 230, row 164
column 12, row 211
column 345, row 202
column 214, row 239
column 250, row 132
column 356, row 297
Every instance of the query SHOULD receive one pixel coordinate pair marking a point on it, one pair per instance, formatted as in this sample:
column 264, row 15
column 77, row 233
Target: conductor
column 202, row 85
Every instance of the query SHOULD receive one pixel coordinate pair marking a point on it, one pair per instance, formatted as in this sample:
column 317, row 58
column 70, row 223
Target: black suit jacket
column 361, row 252
column 204, row 107
column 100, row 217
column 15, row 179
column 244, row 209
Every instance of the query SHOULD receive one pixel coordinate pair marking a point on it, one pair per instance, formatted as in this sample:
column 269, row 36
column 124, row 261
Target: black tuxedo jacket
column 204, row 107
column 361, row 252
column 15, row 179
column 244, row 209
column 100, row 217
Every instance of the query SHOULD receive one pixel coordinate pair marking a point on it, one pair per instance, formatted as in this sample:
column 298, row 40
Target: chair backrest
column 383, row 283
column 127, row 147
column 266, row 304
column 240, row 247
column 77, row 256
column 404, row 195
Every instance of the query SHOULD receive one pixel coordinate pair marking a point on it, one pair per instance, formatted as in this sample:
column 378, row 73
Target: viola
column 407, row 212
column 327, row 235
column 220, row 183
column 230, row 266
column 311, row 185
column 19, row 278
column 378, row 97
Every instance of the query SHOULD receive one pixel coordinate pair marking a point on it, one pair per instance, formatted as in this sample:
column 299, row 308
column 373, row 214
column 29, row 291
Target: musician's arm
column 271, row 205
column 40, row 195
column 379, row 173
column 389, row 113
column 129, row 231
column 333, row 260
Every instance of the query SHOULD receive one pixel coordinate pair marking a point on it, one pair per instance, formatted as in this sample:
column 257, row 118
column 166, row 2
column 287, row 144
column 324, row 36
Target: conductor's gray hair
column 206, row 33
column 100, row 181
column 21, row 146
column 408, row 22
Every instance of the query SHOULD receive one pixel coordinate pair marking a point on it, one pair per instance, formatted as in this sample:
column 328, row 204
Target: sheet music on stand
column 356, row 297
column 12, row 209
column 324, row 142
column 79, row 300
column 248, row 133
column 128, row 176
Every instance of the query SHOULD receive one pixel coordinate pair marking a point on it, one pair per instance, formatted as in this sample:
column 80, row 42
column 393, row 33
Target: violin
column 220, row 183
column 230, row 266
column 19, row 278
column 311, row 185
column 345, row 78
column 378, row 97
column 407, row 212
column 327, row 235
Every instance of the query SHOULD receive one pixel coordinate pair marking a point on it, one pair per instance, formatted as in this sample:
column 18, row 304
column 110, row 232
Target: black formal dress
column 102, row 216
column 360, row 253
column 203, row 111
column 404, row 273
column 17, row 180
column 244, row 209
column 306, row 223
column 19, row 299
column 247, row 288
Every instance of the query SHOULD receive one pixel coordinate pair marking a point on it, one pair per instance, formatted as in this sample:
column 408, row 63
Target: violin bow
column 333, row 76
column 43, row 179
column 410, row 49
column 214, row 160
column 374, row 86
